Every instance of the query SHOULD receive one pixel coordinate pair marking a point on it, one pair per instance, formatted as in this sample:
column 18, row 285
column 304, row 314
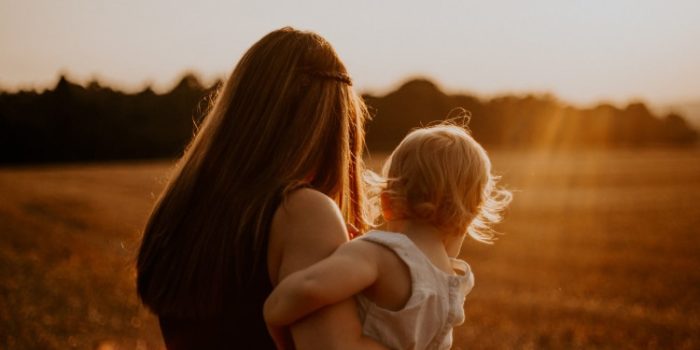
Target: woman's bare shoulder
column 305, row 209
column 303, row 201
column 307, row 227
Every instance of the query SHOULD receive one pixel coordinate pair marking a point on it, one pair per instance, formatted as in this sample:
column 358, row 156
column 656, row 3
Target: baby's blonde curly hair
column 441, row 176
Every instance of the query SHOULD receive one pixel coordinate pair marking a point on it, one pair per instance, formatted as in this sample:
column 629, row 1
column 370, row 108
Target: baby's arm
column 348, row 271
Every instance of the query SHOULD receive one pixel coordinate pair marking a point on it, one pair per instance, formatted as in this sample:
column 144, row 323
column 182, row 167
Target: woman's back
column 240, row 326
column 240, row 323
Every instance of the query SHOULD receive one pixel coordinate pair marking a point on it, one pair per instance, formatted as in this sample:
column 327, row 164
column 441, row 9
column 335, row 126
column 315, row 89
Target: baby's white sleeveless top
column 434, row 307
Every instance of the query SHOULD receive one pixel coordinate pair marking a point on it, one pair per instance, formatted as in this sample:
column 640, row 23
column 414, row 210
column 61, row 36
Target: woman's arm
column 307, row 228
column 348, row 271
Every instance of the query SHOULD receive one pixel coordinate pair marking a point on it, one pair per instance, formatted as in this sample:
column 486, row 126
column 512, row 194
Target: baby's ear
column 387, row 212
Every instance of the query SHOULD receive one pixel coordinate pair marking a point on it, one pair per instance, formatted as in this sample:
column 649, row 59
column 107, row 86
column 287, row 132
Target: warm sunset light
column 355, row 174
column 581, row 51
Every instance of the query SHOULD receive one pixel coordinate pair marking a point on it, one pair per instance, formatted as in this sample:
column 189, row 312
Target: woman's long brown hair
column 286, row 116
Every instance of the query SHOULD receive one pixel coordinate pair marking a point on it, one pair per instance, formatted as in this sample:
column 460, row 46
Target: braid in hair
column 341, row 77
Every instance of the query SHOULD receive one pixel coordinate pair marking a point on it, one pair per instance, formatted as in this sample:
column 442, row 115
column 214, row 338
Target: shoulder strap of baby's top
column 402, row 246
column 392, row 240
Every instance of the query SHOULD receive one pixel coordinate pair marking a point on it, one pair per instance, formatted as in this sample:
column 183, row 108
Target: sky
column 580, row 51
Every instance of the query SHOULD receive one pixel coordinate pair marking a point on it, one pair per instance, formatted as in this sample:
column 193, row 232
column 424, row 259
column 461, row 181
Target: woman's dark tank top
column 240, row 325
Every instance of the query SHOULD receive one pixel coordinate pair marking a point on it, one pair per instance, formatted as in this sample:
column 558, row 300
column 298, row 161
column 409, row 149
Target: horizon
column 209, row 80
column 687, row 111
column 584, row 54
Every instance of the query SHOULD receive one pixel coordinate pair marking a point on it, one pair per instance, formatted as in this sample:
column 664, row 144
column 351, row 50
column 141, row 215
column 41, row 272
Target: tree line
column 93, row 123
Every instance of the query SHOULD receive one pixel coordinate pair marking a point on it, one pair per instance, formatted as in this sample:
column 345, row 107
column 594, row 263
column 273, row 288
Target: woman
column 264, row 189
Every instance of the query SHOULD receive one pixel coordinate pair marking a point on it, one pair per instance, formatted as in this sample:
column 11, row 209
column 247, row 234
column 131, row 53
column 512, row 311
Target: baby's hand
column 281, row 337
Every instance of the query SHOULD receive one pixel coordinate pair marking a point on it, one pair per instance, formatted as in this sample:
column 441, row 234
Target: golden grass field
column 600, row 251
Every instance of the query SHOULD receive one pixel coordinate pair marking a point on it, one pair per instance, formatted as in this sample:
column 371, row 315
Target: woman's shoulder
column 307, row 227
column 306, row 199
column 307, row 213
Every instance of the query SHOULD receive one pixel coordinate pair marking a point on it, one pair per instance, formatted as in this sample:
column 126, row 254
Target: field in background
column 600, row 251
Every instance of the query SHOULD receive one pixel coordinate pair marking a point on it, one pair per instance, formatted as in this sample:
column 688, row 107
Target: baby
column 437, row 187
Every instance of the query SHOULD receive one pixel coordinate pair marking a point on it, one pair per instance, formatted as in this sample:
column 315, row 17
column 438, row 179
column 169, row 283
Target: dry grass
column 600, row 251
column 67, row 247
